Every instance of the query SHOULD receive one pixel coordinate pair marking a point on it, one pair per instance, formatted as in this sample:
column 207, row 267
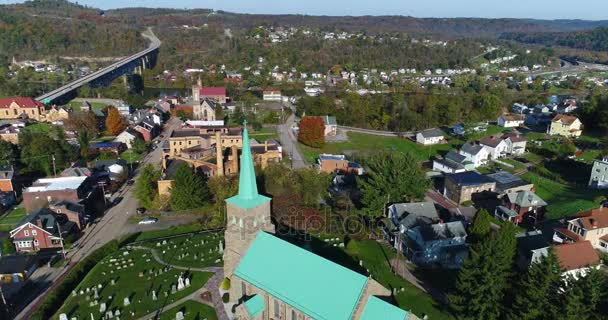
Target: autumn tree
column 115, row 123
column 312, row 132
column 82, row 121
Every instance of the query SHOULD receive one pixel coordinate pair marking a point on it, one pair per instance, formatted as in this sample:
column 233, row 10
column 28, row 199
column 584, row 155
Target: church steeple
column 248, row 195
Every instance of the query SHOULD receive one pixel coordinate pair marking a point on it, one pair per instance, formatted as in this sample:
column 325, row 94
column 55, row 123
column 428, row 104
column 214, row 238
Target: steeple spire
column 248, row 195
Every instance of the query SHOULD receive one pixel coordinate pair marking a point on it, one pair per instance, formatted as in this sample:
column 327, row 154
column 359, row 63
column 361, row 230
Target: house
column 452, row 162
column 205, row 110
column 465, row 186
column 57, row 113
column 496, row 147
column 148, row 130
column 538, row 119
column 430, row 136
column 330, row 163
column 71, row 211
column 21, row 107
column 124, row 109
column 442, row 244
column 101, row 147
column 7, row 180
column 16, row 268
column 567, row 106
column 516, row 143
column 531, row 247
column 401, row 217
column 217, row 94
column 526, row 205
column 116, row 168
column 9, row 133
column 577, row 258
column 127, row 137
column 331, row 125
column 272, row 95
column 599, row 174
column 152, row 115
column 40, row 230
column 540, row 108
column 519, row 108
column 79, row 190
column 474, row 153
column 510, row 120
column 508, row 183
column 565, row 125
column 272, row 278
column 590, row 225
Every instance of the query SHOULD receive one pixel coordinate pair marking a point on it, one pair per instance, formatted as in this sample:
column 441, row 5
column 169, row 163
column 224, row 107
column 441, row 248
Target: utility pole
column 54, row 167
column 61, row 239
column 4, row 301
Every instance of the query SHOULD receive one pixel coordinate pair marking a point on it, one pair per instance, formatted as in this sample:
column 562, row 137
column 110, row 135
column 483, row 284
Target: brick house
column 9, row 133
column 72, row 211
column 18, row 107
column 525, row 204
column 148, row 130
column 330, row 163
column 464, row 186
column 40, row 230
column 43, row 192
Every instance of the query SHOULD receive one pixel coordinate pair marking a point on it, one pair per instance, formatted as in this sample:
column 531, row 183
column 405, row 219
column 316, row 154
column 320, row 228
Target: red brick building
column 40, row 230
column 6, row 180
column 218, row 94
column 525, row 204
column 80, row 190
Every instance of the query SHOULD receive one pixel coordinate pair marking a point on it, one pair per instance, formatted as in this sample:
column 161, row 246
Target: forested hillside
column 596, row 39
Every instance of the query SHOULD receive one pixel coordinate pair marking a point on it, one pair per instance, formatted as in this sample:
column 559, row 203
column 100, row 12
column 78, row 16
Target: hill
column 595, row 40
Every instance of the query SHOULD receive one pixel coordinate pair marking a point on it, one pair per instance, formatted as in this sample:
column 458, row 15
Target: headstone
column 154, row 298
column 99, row 286
column 81, row 292
column 164, row 242
column 63, row 316
column 112, row 282
column 141, row 274
column 109, row 314
column 102, row 307
column 117, row 313
column 92, row 317
column 74, row 318
column 180, row 283
column 221, row 248
column 173, row 289
column 126, row 253
column 187, row 282
column 88, row 290
column 179, row 316
column 95, row 293
column 126, row 302
column 74, row 293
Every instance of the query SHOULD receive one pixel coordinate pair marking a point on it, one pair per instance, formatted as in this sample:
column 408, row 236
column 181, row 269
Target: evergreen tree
column 572, row 305
column 8, row 153
column 533, row 291
column 481, row 226
column 188, row 190
column 146, row 187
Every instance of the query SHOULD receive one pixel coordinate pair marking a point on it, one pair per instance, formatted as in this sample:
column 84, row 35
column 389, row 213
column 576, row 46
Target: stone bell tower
column 246, row 213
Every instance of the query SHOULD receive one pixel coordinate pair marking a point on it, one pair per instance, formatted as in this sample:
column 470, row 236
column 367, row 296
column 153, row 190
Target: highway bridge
column 141, row 60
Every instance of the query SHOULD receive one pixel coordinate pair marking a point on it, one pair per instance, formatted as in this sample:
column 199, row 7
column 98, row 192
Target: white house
column 127, row 137
column 430, row 136
column 452, row 162
column 519, row 108
column 516, row 144
column 271, row 96
column 474, row 153
column 510, row 120
column 496, row 147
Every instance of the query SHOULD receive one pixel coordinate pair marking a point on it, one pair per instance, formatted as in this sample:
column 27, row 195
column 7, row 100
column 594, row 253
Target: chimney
column 39, row 222
column 593, row 223
column 266, row 146
column 219, row 153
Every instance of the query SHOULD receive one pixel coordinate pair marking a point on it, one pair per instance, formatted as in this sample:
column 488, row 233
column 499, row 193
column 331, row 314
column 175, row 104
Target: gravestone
column 117, row 313
column 95, row 293
column 180, row 283
column 74, row 293
column 173, row 289
column 179, row 316
column 102, row 307
column 112, row 282
column 126, row 302
column 187, row 282
column 63, row 316
column 154, row 295
column 221, row 248
column 109, row 314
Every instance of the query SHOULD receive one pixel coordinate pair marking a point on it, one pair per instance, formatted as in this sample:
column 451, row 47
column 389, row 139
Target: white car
column 148, row 221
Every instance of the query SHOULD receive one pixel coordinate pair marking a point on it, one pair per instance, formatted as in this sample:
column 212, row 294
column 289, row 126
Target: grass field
column 168, row 232
column 563, row 200
column 39, row 128
column 192, row 310
column 264, row 134
column 194, row 250
column 131, row 156
column 9, row 221
column 135, row 276
column 75, row 105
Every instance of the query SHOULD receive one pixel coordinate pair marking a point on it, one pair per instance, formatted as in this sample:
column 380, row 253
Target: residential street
column 113, row 224
column 290, row 143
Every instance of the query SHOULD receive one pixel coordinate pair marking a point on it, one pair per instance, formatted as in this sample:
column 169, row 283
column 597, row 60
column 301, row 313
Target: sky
column 540, row 9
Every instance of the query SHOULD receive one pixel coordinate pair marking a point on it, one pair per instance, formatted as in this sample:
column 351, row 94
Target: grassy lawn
column 12, row 218
column 589, row 155
column 365, row 143
column 131, row 156
column 75, row 105
column 532, row 157
column 374, row 257
column 264, row 134
column 516, row 164
column 39, row 128
column 192, row 311
column 563, row 199
column 187, row 228
column 194, row 250
column 491, row 130
column 126, row 271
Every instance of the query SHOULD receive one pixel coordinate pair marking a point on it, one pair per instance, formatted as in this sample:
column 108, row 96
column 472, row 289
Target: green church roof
column 254, row 306
column 321, row 289
column 376, row 309
column 248, row 196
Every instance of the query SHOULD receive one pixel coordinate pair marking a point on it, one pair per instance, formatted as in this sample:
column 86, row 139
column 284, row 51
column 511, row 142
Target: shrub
column 225, row 297
column 225, row 284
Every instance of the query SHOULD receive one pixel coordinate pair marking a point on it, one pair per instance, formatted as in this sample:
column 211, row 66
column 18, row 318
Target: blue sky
column 542, row 9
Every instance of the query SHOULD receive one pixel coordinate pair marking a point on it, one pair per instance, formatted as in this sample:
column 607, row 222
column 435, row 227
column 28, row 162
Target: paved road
column 112, row 225
column 290, row 144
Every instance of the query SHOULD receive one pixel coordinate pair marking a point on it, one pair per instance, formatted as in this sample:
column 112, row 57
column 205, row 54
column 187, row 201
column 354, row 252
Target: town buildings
column 524, row 205
column 577, row 258
column 42, row 192
column 599, row 174
column 496, row 147
column 274, row 279
column 474, row 153
column 511, row 120
column 590, row 225
column 272, row 95
column 330, row 163
column 331, row 125
column 40, row 230
column 452, row 162
column 565, row 125
column 20, row 107
column 464, row 186
column 430, row 137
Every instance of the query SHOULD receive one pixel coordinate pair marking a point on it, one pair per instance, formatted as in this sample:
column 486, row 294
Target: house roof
column 512, row 117
column 47, row 218
column 576, row 255
column 506, row 211
column 376, row 309
column 22, row 102
column 255, row 306
column 409, row 215
column 104, row 164
column 8, row 172
column 468, row 178
column 514, row 136
column 491, row 141
column 455, row 156
column 52, row 184
column 76, row 172
column 565, row 119
column 526, row 199
column 594, row 218
column 440, row 231
column 330, row 120
column 334, row 157
column 321, row 289
column 213, row 91
column 432, row 133
column 531, row 240
column 470, row 148
column 505, row 180
column 70, row 206
column 15, row 264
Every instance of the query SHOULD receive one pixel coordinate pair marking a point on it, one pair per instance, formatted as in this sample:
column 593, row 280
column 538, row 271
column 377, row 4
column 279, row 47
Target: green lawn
column 518, row 166
column 39, row 128
column 126, row 271
column 589, row 155
column 193, row 250
column 192, row 311
column 264, row 134
column 131, row 156
column 563, row 200
column 365, row 143
column 75, row 105
column 374, row 257
column 187, row 228
column 12, row 218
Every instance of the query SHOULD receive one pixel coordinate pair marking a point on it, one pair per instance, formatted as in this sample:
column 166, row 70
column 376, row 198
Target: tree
column 541, row 281
column 312, row 132
column 115, row 123
column 83, row 141
column 82, row 121
column 391, row 177
column 188, row 190
column 8, row 153
column 481, row 226
column 138, row 145
column 146, row 186
column 38, row 150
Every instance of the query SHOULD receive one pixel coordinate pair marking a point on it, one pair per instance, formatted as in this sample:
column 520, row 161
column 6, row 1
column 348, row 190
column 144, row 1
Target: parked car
column 130, row 182
column 116, row 201
column 141, row 210
column 148, row 221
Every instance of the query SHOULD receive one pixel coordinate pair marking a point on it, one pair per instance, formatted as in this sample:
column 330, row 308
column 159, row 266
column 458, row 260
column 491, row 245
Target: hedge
column 54, row 299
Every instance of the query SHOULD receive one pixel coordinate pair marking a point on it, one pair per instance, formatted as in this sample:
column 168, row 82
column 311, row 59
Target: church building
column 274, row 279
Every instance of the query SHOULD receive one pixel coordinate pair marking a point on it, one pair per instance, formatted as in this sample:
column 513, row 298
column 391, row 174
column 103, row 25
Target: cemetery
column 131, row 283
